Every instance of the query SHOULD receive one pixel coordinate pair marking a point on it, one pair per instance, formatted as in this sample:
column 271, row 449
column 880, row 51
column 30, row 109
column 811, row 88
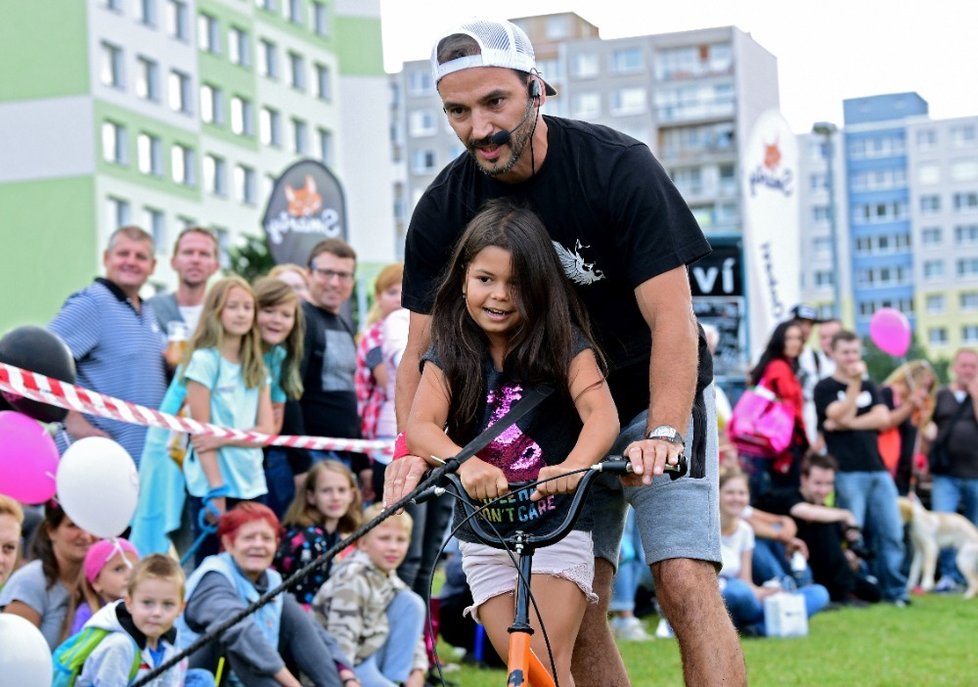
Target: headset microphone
column 501, row 138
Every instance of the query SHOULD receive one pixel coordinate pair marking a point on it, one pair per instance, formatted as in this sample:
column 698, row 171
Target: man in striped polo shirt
column 115, row 340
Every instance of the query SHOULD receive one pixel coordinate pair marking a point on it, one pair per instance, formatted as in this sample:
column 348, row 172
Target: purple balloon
column 28, row 459
column 890, row 331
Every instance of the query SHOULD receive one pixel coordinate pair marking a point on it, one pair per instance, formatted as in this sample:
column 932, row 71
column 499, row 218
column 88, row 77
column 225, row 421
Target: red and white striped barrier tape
column 38, row 387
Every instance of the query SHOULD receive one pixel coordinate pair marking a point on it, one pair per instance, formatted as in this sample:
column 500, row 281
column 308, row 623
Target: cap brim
column 548, row 88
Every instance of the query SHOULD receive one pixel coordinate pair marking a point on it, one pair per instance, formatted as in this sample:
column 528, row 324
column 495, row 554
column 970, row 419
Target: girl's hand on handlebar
column 481, row 480
column 564, row 484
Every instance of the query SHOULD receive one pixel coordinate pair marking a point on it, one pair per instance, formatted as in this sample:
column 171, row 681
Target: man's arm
column 825, row 514
column 844, row 410
column 876, row 419
column 666, row 304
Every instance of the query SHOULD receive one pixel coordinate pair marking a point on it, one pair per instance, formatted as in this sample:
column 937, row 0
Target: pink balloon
column 890, row 331
column 28, row 459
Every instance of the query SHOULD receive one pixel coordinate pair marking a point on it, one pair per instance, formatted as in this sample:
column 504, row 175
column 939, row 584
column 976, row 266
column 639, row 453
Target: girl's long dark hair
column 541, row 348
column 774, row 349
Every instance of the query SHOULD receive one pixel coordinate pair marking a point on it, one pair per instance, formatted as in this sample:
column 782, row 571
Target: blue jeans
column 631, row 565
column 872, row 498
column 947, row 494
column 391, row 664
column 747, row 610
column 280, row 481
column 769, row 562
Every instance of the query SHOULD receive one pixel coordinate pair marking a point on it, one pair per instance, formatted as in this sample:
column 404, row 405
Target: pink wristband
column 400, row 447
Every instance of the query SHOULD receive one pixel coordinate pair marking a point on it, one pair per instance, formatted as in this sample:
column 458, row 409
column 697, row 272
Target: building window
column 118, row 211
column 422, row 123
column 177, row 24
column 968, row 300
column 324, row 83
column 270, row 127
column 824, row 278
column 326, row 147
column 241, row 116
column 931, row 236
column 146, row 12
column 111, row 71
column 147, row 79
column 629, row 101
column 269, row 5
column 937, row 336
column 114, row 143
column 211, row 104
column 969, row 334
column 929, row 173
column 297, row 71
column 933, row 269
column 149, row 154
column 964, row 170
column 294, row 11
column 320, row 19
column 300, row 136
column 967, row 267
column 179, row 92
column 155, row 224
column 966, row 234
column 963, row 135
column 586, row 105
column 423, row 162
column 223, row 246
column 966, row 201
column 420, row 82
column 820, row 213
column 930, row 204
column 935, row 303
column 627, row 61
column 926, row 139
column 244, row 184
column 208, row 38
column 585, row 66
column 269, row 59
column 239, row 47
column 215, row 175
column 182, row 165
column 113, row 5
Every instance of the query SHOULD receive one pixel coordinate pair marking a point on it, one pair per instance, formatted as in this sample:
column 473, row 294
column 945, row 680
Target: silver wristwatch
column 666, row 433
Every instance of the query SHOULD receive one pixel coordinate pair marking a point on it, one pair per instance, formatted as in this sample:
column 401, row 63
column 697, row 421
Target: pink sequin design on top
column 516, row 454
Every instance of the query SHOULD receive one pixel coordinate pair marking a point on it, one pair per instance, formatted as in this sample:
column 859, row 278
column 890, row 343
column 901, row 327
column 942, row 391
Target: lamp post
column 826, row 130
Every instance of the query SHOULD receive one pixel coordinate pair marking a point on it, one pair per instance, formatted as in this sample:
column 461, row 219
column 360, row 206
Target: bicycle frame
column 523, row 666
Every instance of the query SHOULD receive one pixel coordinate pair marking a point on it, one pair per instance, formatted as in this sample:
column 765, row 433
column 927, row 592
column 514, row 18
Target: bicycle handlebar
column 614, row 466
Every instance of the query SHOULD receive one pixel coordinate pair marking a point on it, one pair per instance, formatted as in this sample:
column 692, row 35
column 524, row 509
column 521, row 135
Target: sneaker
column 664, row 630
column 629, row 629
column 946, row 585
column 901, row 603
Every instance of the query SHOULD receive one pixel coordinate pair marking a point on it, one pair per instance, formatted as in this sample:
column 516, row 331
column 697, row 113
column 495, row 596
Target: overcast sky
column 827, row 50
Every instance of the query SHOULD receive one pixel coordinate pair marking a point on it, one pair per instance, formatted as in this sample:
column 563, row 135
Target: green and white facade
column 162, row 113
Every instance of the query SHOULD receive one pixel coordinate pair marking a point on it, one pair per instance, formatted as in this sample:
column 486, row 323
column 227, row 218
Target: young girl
column 105, row 575
column 505, row 319
column 326, row 508
column 227, row 384
column 282, row 328
column 743, row 598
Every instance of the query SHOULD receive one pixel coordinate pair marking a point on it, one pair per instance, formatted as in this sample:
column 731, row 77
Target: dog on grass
column 929, row 533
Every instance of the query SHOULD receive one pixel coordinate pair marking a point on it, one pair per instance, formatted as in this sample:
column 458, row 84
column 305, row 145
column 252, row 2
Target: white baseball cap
column 502, row 44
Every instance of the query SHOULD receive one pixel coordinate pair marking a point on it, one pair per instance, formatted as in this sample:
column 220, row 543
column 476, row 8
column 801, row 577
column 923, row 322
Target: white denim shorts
column 490, row 572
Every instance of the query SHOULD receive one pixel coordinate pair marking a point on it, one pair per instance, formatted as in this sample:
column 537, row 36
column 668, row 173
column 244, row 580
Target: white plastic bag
column 785, row 616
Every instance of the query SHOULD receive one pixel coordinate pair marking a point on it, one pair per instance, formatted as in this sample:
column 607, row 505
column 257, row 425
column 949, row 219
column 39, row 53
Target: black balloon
column 37, row 350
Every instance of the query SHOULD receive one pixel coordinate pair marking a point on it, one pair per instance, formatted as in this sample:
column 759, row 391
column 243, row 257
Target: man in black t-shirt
column 625, row 237
column 824, row 529
column 850, row 414
column 329, row 402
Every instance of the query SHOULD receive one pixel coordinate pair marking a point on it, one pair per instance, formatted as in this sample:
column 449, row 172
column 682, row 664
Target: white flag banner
column 771, row 226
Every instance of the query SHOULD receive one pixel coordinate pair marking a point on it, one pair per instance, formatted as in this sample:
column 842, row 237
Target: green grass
column 932, row 643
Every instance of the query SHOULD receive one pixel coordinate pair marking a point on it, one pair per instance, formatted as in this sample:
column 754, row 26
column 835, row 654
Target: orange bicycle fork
column 523, row 667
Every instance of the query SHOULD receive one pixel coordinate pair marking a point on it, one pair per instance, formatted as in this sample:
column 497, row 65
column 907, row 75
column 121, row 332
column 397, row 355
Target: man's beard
column 518, row 141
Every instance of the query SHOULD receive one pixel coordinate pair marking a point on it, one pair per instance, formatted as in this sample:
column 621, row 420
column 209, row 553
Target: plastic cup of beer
column 177, row 342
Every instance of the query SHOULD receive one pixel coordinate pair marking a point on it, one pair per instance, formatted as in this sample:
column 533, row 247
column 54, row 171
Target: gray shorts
column 676, row 518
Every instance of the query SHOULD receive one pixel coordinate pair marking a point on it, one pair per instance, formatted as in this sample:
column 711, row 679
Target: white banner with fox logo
column 771, row 226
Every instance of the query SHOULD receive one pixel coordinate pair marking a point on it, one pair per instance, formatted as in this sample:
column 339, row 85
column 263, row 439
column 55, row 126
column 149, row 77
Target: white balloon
column 98, row 486
column 25, row 659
